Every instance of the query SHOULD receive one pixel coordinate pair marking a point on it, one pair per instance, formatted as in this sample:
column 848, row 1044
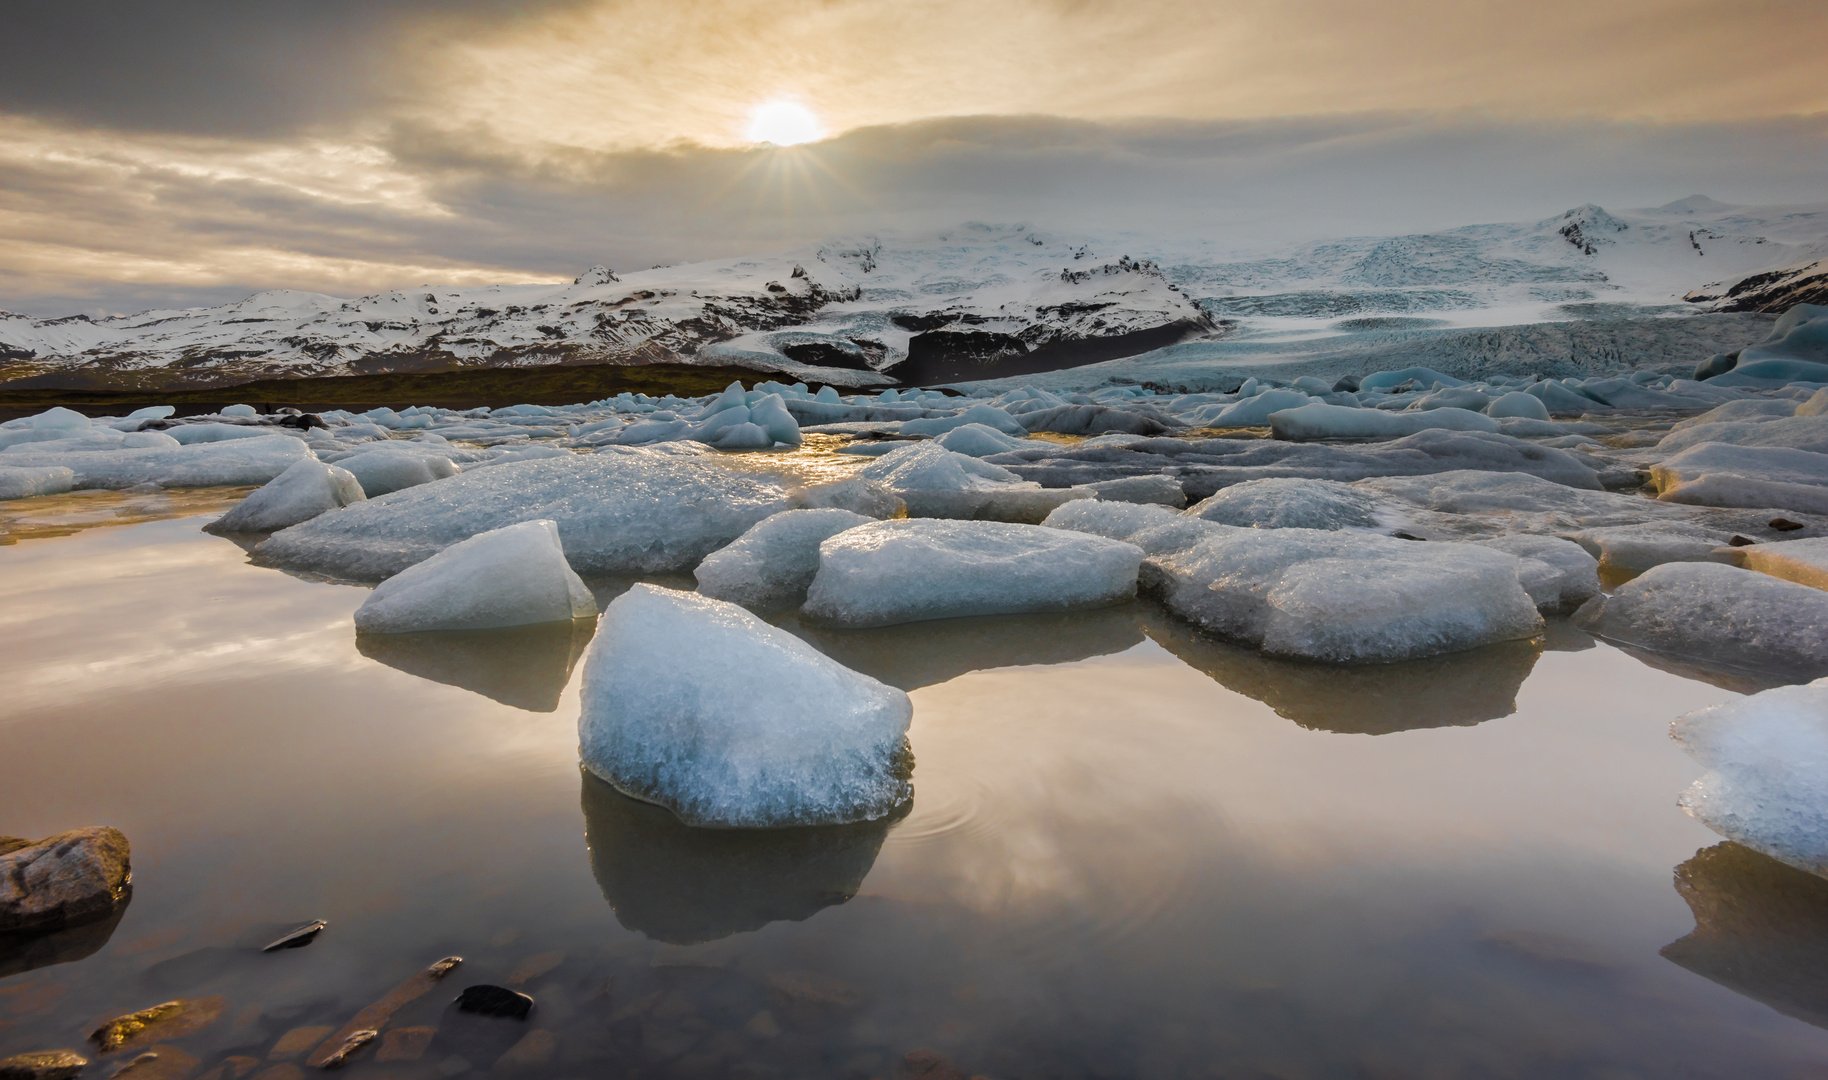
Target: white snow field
column 306, row 489
column 1716, row 614
column 700, row 707
column 512, row 576
column 1766, row 784
column 908, row 570
column 772, row 564
column 622, row 512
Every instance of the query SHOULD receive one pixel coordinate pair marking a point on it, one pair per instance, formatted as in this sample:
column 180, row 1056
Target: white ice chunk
column 191, row 434
column 1767, row 772
column 773, row 563
column 1802, row 561
column 381, row 471
column 1800, row 432
column 908, row 570
column 18, row 483
column 1158, row 489
column 935, row 482
column 623, row 511
column 148, row 440
column 1293, row 503
column 241, row 461
column 1114, row 520
column 699, row 706
column 305, row 490
column 152, row 412
column 1254, row 411
column 240, row 410
column 1719, row 474
column 513, row 576
column 978, row 440
column 988, row 415
column 1558, row 574
column 1322, row 421
column 1518, row 404
column 1719, row 614
column 1348, row 597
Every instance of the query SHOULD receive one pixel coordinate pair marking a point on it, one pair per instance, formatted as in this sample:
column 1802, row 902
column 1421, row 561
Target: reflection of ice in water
column 1457, row 689
column 683, row 885
column 1761, row 929
column 523, row 666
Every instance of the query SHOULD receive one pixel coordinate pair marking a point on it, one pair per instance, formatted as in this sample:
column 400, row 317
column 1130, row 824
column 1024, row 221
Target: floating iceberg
column 623, row 511
column 513, row 576
column 1348, row 597
column 772, row 564
column 1558, row 574
column 17, row 483
column 935, row 482
column 978, row 440
column 1518, row 404
column 1719, row 615
column 1294, row 503
column 305, row 490
column 1718, row 474
column 1767, row 779
column 219, row 464
column 382, row 471
column 1322, row 421
column 702, row 708
column 905, row 571
column 1802, row 561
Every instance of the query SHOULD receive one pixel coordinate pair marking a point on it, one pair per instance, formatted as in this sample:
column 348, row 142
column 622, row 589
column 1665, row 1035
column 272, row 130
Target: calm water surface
column 1131, row 853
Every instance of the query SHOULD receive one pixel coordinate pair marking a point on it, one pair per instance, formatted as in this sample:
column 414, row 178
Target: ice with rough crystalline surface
column 382, row 471
column 700, row 707
column 979, row 440
column 1719, row 474
column 908, row 570
column 621, row 512
column 1115, row 521
column 512, row 576
column 1348, row 597
column 1559, row 575
column 18, row 483
column 1322, row 421
column 1294, row 503
column 305, row 490
column 1802, row 561
column 1719, row 614
column 240, row 461
column 935, row 482
column 774, row 562
column 1767, row 772
column 1518, row 404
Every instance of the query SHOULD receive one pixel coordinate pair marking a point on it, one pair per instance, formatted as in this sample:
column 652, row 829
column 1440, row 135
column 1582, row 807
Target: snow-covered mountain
column 977, row 301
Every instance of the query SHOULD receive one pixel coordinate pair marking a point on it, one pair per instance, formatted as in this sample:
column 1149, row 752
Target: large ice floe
column 620, row 512
column 306, row 489
column 1721, row 474
column 513, row 576
column 1711, row 614
column 241, row 461
column 1766, row 784
column 1802, row 561
column 772, row 564
column 908, row 570
column 700, row 707
column 23, row 483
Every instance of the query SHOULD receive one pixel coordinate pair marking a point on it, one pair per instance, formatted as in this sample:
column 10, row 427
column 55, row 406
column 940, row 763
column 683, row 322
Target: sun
column 783, row 123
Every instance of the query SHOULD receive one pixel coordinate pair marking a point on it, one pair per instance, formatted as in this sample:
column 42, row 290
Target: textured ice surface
column 1719, row 474
column 1793, row 432
column 935, row 482
column 1516, row 403
column 772, row 564
column 1767, row 772
column 192, row 434
column 986, row 415
column 1116, row 521
column 240, row 461
column 382, row 470
column 1158, row 489
column 1348, row 597
column 1322, row 421
column 1559, row 575
column 1719, row 614
column 908, row 570
column 1254, row 411
column 978, row 440
column 17, row 483
column 1802, row 561
column 699, row 706
column 305, row 490
column 1635, row 548
column 619, row 512
column 1294, row 503
column 512, row 576
column 856, row 494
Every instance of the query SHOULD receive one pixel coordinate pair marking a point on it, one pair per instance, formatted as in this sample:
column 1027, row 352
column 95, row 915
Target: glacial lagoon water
column 1132, row 852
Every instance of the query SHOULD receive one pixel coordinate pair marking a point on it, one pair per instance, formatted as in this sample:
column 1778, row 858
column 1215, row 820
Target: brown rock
column 356, row 1040
column 63, row 880
column 43, row 1065
column 1784, row 524
column 405, row 1044
column 170, row 1020
column 298, row 1041
column 231, row 1068
column 375, row 1016
column 159, row 1063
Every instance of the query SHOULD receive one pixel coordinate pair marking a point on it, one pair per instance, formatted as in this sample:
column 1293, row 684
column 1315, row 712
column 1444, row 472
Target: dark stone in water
column 1784, row 524
column 298, row 938
column 1401, row 535
column 487, row 1000
column 43, row 1065
column 1737, row 540
column 376, row 1016
column 64, row 880
column 340, row 1056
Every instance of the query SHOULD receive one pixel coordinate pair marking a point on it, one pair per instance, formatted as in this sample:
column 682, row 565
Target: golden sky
column 191, row 150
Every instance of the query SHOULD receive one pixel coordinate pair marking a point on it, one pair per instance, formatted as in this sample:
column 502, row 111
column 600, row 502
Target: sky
column 194, row 151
